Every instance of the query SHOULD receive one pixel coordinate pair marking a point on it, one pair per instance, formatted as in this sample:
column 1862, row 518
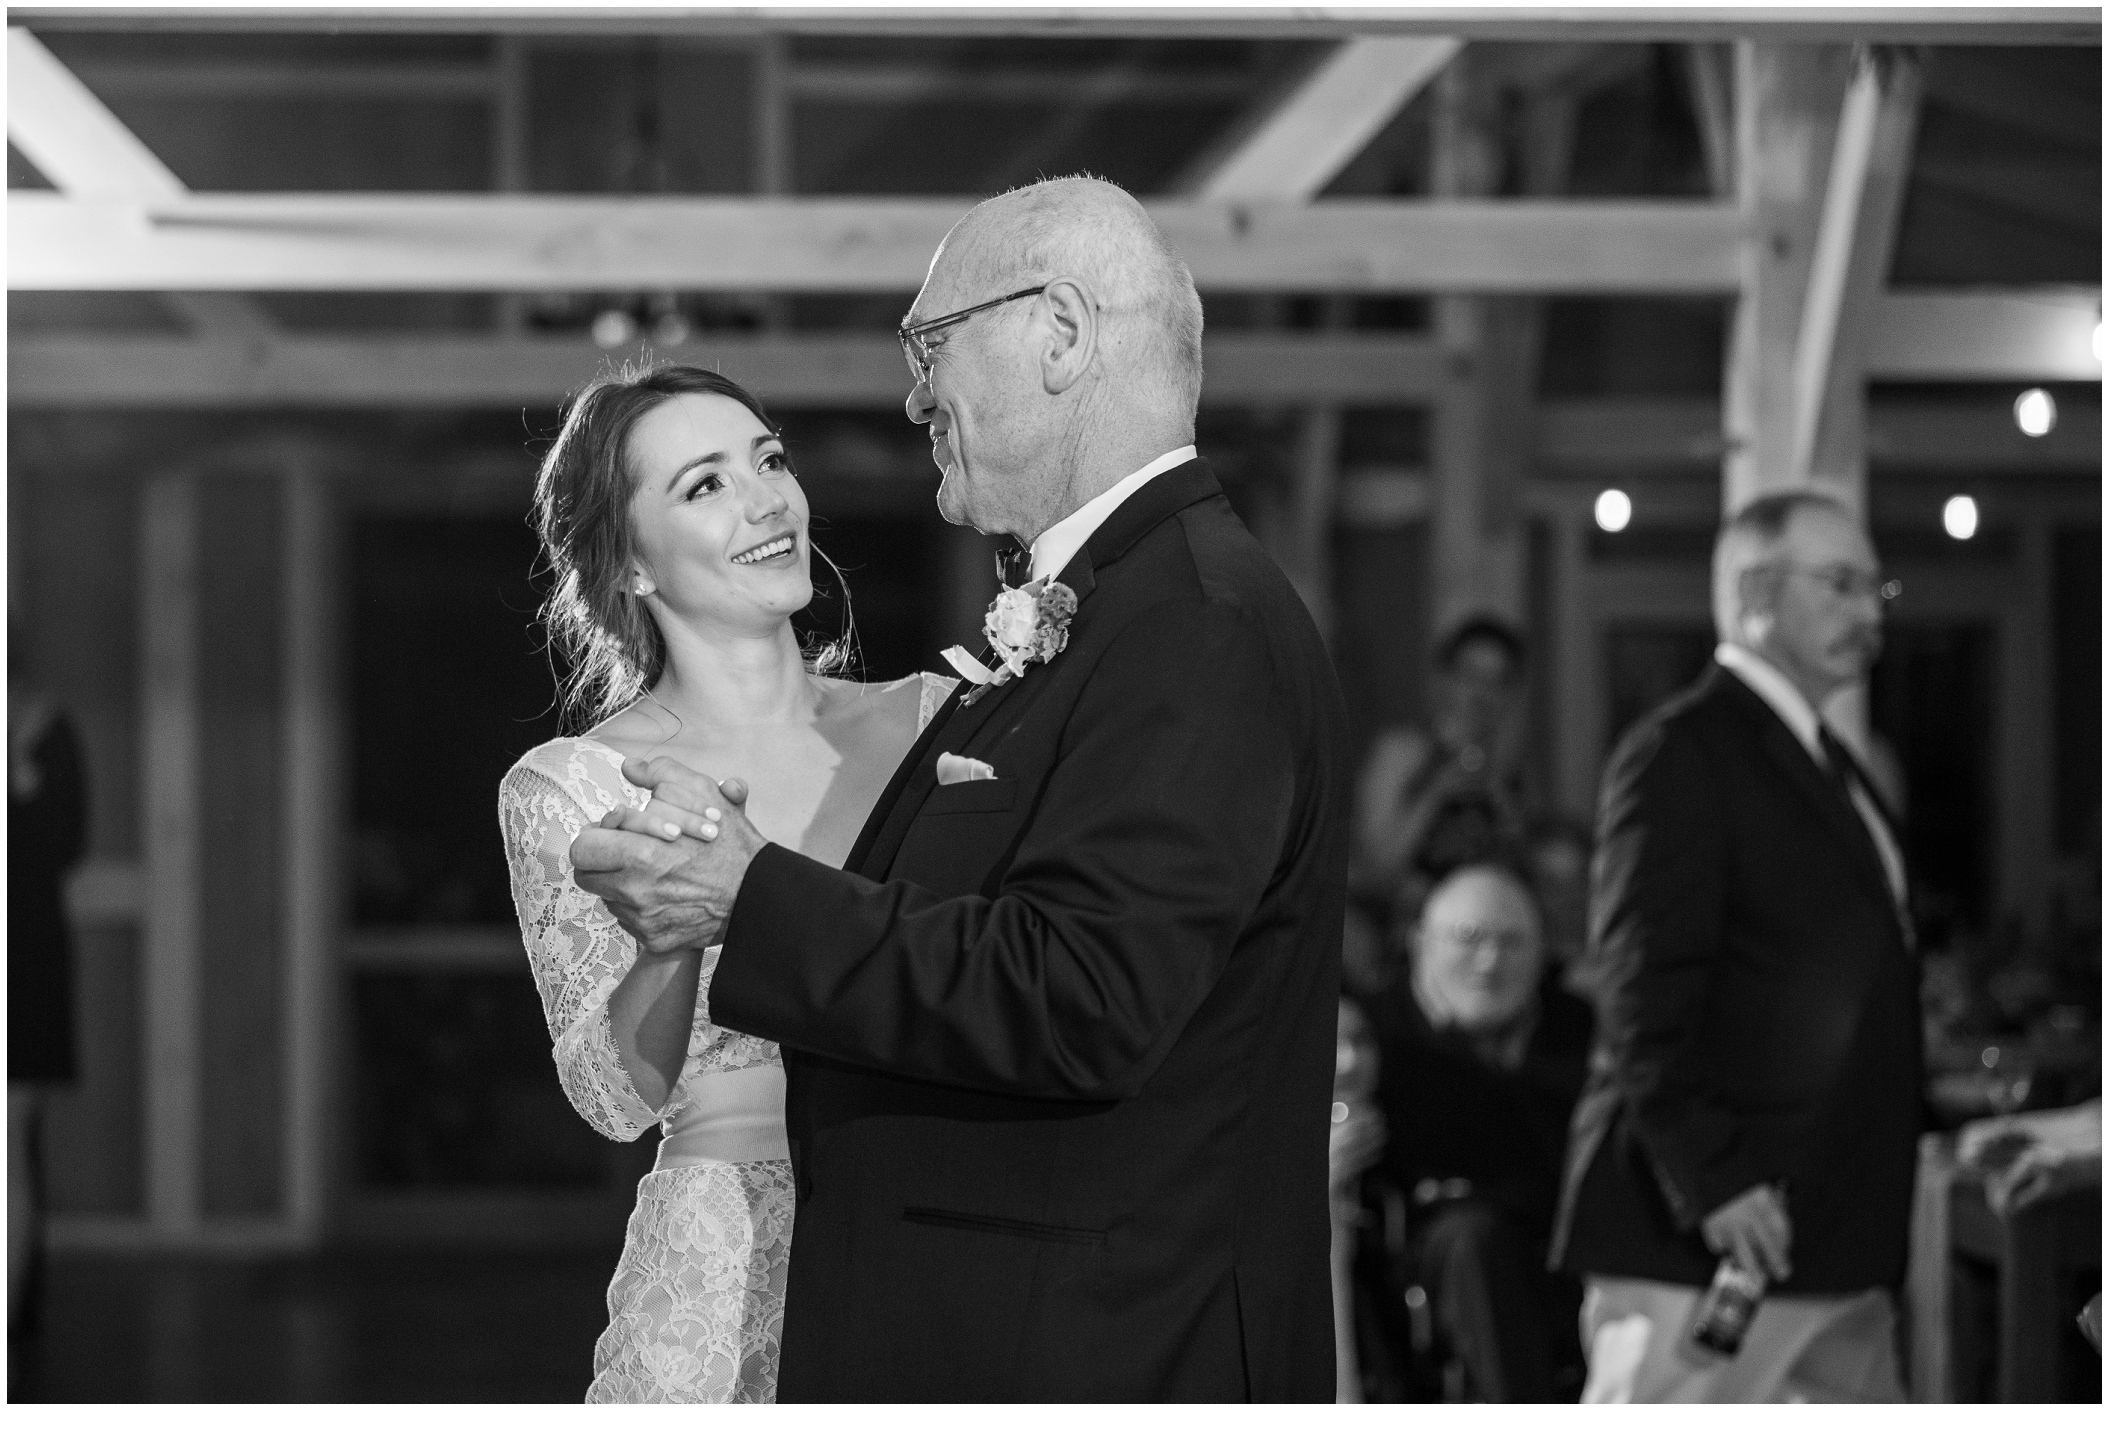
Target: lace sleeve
column 936, row 688
column 577, row 951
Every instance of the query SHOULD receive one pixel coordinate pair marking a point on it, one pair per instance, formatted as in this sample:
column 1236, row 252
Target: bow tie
column 1014, row 565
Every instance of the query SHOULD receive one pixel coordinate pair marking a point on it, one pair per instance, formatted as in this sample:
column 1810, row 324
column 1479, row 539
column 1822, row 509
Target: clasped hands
column 671, row 870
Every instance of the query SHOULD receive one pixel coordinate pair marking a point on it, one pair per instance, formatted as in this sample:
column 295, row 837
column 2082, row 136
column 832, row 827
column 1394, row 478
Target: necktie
column 1014, row 565
column 1846, row 771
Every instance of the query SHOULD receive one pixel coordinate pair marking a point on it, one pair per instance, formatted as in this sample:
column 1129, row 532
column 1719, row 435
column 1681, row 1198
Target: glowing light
column 613, row 328
column 2098, row 343
column 670, row 329
column 1613, row 509
column 1959, row 517
column 2034, row 412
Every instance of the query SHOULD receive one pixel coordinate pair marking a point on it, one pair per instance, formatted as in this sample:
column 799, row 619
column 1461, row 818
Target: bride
column 677, row 533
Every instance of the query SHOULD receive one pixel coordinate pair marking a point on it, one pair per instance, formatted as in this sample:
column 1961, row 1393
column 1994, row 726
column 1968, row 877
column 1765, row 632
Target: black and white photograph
column 718, row 704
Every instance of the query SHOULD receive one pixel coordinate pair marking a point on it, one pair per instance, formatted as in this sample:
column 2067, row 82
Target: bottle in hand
column 1724, row 1313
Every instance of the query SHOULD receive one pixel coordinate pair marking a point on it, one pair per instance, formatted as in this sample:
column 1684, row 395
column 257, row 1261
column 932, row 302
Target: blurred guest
column 1428, row 803
column 1354, row 1143
column 1756, row 1092
column 2029, row 1157
column 1481, row 1061
column 1557, row 850
column 47, row 829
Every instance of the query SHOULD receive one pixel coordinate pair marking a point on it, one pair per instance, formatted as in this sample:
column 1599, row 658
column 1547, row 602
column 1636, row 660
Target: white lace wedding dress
column 695, row 1309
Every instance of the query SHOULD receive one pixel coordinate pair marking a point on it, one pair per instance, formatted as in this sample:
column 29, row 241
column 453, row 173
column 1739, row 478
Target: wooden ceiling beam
column 70, row 136
column 1855, row 238
column 798, row 369
column 1903, row 25
column 597, row 243
column 91, row 155
column 2022, row 337
column 1327, row 120
column 1986, row 335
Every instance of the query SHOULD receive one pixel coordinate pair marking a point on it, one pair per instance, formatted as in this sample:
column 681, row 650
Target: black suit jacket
column 1060, row 1044
column 1758, row 1018
column 1451, row 1114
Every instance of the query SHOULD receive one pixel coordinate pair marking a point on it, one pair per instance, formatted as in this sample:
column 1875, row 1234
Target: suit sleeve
column 1659, row 913
column 1161, row 822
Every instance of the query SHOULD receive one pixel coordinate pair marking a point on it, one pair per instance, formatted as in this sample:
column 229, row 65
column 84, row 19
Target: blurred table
column 2031, row 1250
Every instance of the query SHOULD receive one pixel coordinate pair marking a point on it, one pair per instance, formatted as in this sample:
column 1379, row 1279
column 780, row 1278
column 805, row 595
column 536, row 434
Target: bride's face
column 719, row 519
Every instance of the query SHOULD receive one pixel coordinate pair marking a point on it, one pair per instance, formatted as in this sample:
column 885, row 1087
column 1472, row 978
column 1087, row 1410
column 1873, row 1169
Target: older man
column 1481, row 1062
column 1756, row 1093
column 1059, row 1037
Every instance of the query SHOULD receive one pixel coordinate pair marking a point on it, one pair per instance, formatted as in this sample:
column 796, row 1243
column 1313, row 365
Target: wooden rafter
column 1863, row 198
column 813, row 369
column 89, row 154
column 2014, row 336
column 501, row 243
column 71, row 136
column 1327, row 120
column 1912, row 25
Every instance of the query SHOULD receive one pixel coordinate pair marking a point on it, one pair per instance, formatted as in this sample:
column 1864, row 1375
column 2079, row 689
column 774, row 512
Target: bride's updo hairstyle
column 597, row 623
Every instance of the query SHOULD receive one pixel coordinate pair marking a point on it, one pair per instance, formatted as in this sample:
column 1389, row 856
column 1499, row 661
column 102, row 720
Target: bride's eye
column 708, row 482
column 775, row 461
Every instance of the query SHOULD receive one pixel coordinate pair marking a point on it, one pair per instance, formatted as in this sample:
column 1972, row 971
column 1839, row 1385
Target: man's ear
column 1757, row 596
column 1071, row 342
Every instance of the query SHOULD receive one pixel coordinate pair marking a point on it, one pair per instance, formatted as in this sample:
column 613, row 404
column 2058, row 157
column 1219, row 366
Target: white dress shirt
column 1053, row 548
column 1784, row 698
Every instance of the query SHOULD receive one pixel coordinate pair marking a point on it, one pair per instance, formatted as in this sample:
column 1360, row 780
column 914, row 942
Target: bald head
column 1479, row 953
column 1096, row 232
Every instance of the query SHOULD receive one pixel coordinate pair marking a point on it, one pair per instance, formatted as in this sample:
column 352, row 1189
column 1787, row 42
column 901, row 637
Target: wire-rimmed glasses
column 915, row 343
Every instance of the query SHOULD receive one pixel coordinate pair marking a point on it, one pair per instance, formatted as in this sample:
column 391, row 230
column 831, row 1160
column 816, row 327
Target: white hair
column 1093, row 230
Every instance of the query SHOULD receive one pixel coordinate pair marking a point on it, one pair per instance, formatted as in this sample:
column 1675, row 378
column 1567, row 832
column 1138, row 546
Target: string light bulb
column 2034, row 412
column 1614, row 509
column 1959, row 517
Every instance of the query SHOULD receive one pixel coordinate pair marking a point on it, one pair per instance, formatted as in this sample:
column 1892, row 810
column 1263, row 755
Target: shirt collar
column 1781, row 695
column 1053, row 548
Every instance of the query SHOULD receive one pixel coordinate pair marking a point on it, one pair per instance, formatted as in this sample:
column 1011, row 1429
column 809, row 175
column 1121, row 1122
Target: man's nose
column 922, row 402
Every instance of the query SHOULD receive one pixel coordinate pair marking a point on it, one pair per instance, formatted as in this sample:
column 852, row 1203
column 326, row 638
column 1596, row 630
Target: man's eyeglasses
column 915, row 340
column 1848, row 585
column 1470, row 937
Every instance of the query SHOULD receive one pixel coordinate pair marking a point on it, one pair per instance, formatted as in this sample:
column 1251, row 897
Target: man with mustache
column 1756, row 1093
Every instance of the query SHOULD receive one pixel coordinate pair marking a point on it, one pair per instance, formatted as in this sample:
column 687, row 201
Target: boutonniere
column 1024, row 625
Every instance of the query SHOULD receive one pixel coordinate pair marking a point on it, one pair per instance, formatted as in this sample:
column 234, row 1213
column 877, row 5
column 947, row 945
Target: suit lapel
column 1787, row 754
column 957, row 727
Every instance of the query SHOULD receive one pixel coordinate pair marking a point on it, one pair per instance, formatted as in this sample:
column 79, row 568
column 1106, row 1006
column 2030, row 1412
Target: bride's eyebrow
column 687, row 466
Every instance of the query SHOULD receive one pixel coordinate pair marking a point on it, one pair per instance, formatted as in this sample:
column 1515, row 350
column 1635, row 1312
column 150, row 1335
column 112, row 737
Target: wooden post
column 313, row 762
column 168, row 628
column 1786, row 108
column 1478, row 543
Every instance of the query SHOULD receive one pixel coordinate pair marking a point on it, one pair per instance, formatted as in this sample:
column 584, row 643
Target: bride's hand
column 684, row 802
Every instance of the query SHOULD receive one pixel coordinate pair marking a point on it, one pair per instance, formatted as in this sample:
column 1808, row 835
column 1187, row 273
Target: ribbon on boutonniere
column 1024, row 625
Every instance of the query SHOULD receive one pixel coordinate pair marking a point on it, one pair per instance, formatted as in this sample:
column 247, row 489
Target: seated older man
column 1483, row 1058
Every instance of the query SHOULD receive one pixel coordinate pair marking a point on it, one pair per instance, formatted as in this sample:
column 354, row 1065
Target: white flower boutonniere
column 1024, row 625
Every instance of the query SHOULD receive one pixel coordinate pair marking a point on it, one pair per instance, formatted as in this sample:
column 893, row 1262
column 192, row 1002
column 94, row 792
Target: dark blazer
column 1060, row 1044
column 1758, row 1018
column 1450, row 1114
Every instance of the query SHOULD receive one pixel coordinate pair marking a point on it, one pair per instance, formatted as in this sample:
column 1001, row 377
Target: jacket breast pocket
column 989, row 794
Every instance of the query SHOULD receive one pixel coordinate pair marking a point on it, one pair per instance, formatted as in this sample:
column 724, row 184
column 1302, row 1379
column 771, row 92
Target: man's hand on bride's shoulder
column 671, row 870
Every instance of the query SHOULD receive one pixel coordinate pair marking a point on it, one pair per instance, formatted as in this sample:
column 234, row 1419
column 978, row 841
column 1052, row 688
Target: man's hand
column 670, row 890
column 1754, row 1228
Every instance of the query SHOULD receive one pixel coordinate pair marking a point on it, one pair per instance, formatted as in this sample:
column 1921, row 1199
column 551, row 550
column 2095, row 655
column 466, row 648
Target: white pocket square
column 951, row 767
